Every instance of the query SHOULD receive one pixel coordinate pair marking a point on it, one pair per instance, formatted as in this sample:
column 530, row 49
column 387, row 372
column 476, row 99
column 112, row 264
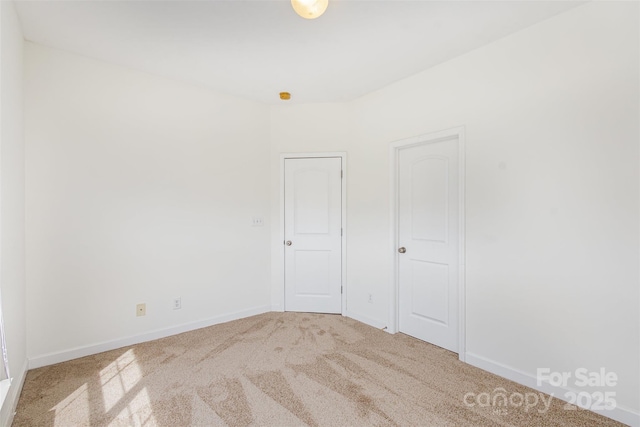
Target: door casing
column 394, row 150
column 278, row 300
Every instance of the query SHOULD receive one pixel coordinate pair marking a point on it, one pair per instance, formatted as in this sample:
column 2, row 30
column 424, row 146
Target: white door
column 313, row 234
column 428, row 242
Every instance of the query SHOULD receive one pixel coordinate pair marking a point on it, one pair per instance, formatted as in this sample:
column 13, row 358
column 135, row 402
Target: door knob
column 288, row 243
column 402, row 250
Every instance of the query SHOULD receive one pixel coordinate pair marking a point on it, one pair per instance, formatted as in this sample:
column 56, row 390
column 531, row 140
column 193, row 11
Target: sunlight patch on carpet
column 138, row 410
column 118, row 378
column 77, row 402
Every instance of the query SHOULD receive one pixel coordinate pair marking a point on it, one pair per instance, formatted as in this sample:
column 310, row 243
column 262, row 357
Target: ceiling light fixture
column 310, row 9
column 285, row 96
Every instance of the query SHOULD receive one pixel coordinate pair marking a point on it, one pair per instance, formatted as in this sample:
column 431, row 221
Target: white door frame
column 394, row 151
column 281, row 238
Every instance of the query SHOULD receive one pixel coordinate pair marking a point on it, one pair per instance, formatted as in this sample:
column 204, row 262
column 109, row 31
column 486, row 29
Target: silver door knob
column 288, row 243
column 402, row 250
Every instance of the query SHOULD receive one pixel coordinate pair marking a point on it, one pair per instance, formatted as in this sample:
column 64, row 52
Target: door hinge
column 341, row 232
column 340, row 289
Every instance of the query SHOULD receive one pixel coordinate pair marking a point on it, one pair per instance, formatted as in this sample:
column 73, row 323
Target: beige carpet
column 282, row 369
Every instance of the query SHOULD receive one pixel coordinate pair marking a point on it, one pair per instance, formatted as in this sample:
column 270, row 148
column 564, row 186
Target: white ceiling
column 255, row 49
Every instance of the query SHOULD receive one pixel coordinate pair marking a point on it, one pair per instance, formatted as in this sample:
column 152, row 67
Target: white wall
column 140, row 189
column 12, row 193
column 551, row 117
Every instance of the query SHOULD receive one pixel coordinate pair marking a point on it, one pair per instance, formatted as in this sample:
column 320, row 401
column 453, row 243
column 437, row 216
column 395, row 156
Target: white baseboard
column 11, row 403
column 621, row 414
column 74, row 353
column 366, row 319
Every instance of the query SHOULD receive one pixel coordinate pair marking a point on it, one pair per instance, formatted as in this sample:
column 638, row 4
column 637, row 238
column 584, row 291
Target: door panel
column 313, row 224
column 428, row 229
column 429, row 297
column 429, row 204
column 312, row 210
column 312, row 273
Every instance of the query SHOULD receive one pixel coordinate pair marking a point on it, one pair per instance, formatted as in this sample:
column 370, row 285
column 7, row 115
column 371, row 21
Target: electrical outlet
column 370, row 298
column 141, row 309
column 177, row 304
column 257, row 221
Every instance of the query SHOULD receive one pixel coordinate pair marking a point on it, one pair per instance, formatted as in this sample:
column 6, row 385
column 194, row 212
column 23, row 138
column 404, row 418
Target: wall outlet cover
column 141, row 309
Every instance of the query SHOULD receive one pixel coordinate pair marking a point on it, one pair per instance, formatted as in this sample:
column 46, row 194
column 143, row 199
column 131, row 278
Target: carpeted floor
column 284, row 369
